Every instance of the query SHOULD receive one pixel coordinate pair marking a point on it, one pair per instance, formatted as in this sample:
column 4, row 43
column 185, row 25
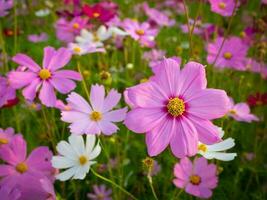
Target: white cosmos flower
column 78, row 49
column 42, row 13
column 76, row 157
column 217, row 150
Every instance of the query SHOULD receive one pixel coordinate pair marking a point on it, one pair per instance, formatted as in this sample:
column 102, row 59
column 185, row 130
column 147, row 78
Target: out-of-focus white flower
column 76, row 157
column 42, row 13
column 215, row 150
column 79, row 49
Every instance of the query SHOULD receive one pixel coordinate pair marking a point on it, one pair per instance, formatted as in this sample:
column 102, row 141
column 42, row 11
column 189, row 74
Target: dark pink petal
column 208, row 104
column 20, row 79
column 108, row 128
column 26, row 61
column 19, row 147
column 159, row 137
column 192, row 79
column 49, row 53
column 69, row 74
column 141, row 120
column 111, row 100
column 207, row 132
column 7, row 155
column 61, row 57
column 97, row 95
column 147, row 95
column 63, row 85
column 47, row 94
column 6, row 170
column 167, row 76
column 115, row 115
column 29, row 92
column 184, row 141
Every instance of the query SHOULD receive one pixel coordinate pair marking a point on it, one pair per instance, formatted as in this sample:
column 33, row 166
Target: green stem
column 83, row 80
column 114, row 184
column 151, row 186
column 188, row 27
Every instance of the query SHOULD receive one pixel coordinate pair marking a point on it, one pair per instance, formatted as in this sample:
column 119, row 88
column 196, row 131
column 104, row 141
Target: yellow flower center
column 3, row 141
column 83, row 160
column 227, row 55
column 233, row 112
column 243, row 34
column 95, row 116
column 202, row 147
column 96, row 38
column 76, row 25
column 77, row 49
column 100, row 196
column 195, row 179
column 44, row 74
column 140, row 32
column 96, row 14
column 176, row 107
column 222, row 5
column 21, row 167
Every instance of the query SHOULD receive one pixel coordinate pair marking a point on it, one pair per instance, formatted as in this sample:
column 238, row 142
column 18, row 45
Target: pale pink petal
column 63, row 85
column 47, row 94
column 205, row 192
column 97, row 95
column 111, row 100
column 49, row 52
column 61, row 57
column 69, row 74
column 208, row 104
column 26, row 61
column 115, row 115
column 20, row 79
column 182, row 172
column 184, row 141
column 108, row 128
column 78, row 103
column 79, row 127
column 193, row 189
column 29, row 92
column 92, row 128
column 73, row 116
column 141, row 120
column 179, row 183
column 159, row 137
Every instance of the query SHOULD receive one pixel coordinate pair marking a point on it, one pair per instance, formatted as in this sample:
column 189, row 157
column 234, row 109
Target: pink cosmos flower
column 6, row 136
column 257, row 67
column 97, row 117
column 6, row 193
column 5, row 5
column 38, row 38
column 232, row 54
column 198, row 178
column 223, row 7
column 66, row 31
column 18, row 170
column 7, row 92
column 241, row 112
column 62, row 106
column 44, row 79
column 175, row 107
column 154, row 56
column 198, row 29
column 141, row 32
column 100, row 192
column 48, row 187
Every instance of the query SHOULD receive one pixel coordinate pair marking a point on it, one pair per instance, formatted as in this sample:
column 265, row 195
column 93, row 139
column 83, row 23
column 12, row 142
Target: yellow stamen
column 95, row 116
column 233, row 112
column 44, row 74
column 202, row 147
column 222, row 5
column 21, row 168
column 3, row 141
column 83, row 160
column 140, row 32
column 96, row 14
column 77, row 49
column 76, row 25
column 176, row 107
column 227, row 55
column 195, row 179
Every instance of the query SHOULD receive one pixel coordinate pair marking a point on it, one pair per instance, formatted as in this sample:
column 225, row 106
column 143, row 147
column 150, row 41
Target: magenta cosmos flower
column 175, row 107
column 100, row 192
column 7, row 93
column 232, row 54
column 5, row 5
column 141, row 32
column 7, row 193
column 66, row 31
column 44, row 79
column 18, row 170
column 198, row 178
column 223, row 7
column 6, row 136
column 241, row 112
column 97, row 117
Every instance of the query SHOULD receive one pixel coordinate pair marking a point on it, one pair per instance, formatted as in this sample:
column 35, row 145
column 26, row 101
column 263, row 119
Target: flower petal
column 61, row 162
column 47, row 94
column 107, row 127
column 78, row 103
column 115, row 115
column 20, row 79
column 26, row 61
column 111, row 100
column 48, row 56
column 29, row 92
column 97, row 96
column 61, row 57
column 69, row 74
column 63, row 85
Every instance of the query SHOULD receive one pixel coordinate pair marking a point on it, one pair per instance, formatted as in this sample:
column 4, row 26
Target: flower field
column 132, row 99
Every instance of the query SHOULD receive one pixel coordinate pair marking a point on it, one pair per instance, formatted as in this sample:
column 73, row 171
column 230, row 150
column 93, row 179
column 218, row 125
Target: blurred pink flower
column 141, row 32
column 7, row 92
column 18, row 170
column 46, row 78
column 62, row 106
column 154, row 56
column 232, row 54
column 198, row 178
column 38, row 38
column 100, row 192
column 97, row 117
column 241, row 112
column 66, row 31
column 175, row 107
column 254, row 66
column 223, row 7
column 6, row 136
column 5, row 5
